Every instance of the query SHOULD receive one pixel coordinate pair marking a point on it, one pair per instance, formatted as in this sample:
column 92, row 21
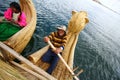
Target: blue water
column 97, row 50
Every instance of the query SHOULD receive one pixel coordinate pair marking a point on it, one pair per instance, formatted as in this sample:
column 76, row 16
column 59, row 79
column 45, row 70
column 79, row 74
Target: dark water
column 97, row 50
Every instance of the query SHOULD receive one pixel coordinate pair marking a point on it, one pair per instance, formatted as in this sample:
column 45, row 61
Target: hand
column 13, row 21
column 0, row 20
column 58, row 50
column 46, row 39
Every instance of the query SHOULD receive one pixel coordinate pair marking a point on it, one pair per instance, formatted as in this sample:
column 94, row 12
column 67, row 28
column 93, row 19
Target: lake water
column 98, row 47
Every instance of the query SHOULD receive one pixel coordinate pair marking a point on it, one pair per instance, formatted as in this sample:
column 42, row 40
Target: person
column 14, row 20
column 58, row 39
column 15, row 15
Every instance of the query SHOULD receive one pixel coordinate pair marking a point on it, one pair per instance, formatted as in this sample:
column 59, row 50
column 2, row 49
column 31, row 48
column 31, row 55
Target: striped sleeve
column 64, row 41
column 51, row 36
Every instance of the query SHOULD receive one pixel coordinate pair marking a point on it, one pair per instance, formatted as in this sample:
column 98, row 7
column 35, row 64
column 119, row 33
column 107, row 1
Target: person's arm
column 49, row 38
column 64, row 41
column 22, row 20
column 8, row 14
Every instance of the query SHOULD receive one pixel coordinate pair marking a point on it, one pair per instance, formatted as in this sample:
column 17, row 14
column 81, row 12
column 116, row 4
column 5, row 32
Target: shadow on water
column 97, row 50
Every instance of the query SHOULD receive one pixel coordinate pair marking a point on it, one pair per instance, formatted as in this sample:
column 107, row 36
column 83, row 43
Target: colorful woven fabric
column 7, row 29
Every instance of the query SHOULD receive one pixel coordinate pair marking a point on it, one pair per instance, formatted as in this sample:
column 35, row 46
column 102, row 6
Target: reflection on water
column 97, row 50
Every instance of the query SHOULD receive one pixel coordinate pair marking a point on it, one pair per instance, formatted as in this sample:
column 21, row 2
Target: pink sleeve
column 22, row 20
column 8, row 14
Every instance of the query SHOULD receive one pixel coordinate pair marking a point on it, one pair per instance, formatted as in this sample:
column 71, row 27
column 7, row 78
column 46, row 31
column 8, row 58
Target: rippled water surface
column 97, row 50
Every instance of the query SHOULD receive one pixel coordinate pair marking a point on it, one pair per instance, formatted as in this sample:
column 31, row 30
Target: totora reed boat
column 20, row 39
column 33, row 68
